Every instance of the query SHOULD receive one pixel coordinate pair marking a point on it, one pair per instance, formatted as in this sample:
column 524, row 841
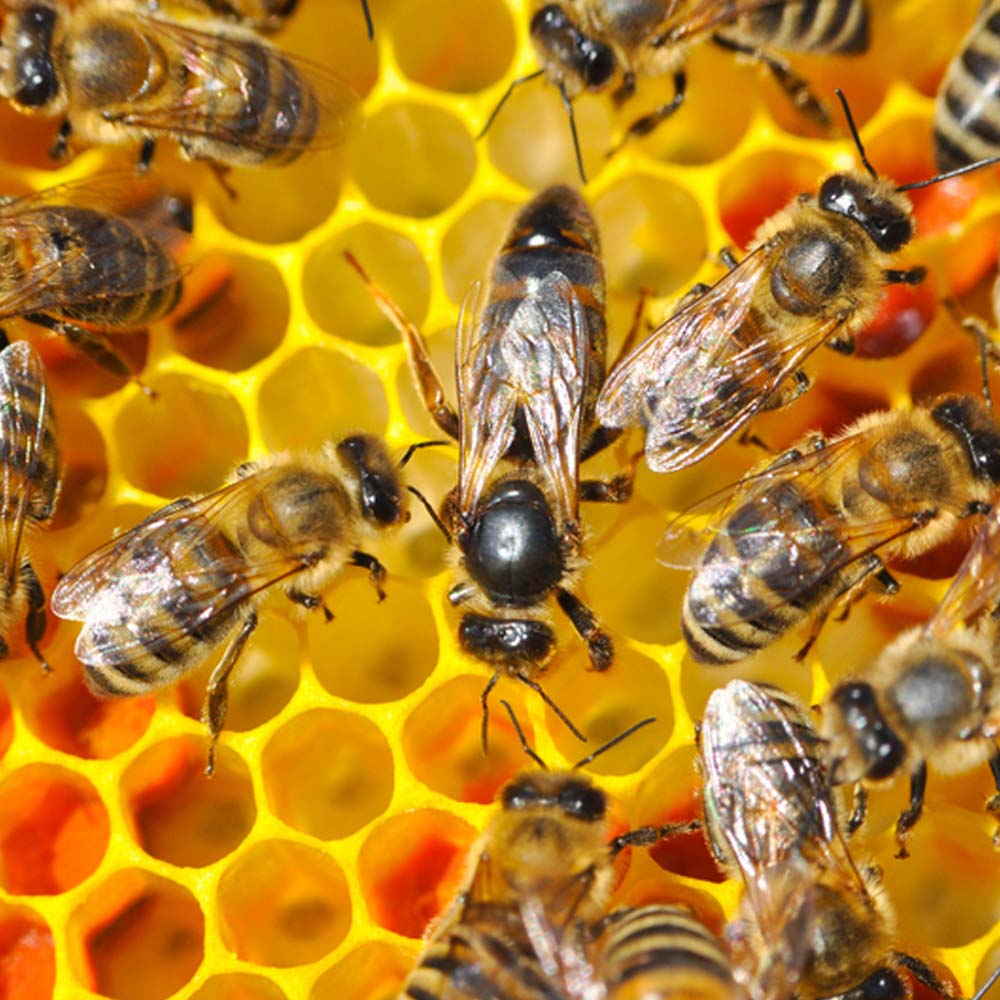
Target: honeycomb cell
column 461, row 48
column 264, row 681
column 177, row 814
column 921, row 56
column 282, row 903
column 238, row 986
column 337, row 298
column 652, row 232
column 413, row 159
column 374, row 652
column 410, row 867
column 375, row 970
column 441, row 740
column 327, row 773
column 53, row 830
column 603, row 705
column 471, row 243
column 138, row 937
column 27, row 955
column 317, row 395
column 186, row 441
column 233, row 314
column 85, row 464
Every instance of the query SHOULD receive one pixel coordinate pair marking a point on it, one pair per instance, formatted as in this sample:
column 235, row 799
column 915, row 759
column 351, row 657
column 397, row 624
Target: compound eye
column 600, row 64
column 894, row 234
column 519, row 796
column 883, row 984
column 379, row 502
column 550, row 18
column 835, row 195
column 583, row 802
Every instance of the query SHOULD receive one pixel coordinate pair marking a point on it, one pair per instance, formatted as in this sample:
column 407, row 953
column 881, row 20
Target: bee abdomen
column 967, row 114
column 809, row 26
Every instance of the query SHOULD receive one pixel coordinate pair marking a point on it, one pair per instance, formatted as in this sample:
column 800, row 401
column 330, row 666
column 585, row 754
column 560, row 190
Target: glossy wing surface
column 699, row 17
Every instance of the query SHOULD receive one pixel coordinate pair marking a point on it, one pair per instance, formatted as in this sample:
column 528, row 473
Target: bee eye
column 883, row 984
column 550, row 18
column 600, row 63
column 519, row 796
column 892, row 234
column 583, row 802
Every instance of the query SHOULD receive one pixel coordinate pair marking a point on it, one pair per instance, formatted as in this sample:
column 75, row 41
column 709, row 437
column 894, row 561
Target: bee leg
column 484, row 700
column 647, row 836
column 599, row 439
column 310, row 602
column 748, row 438
column 220, row 171
column 213, row 712
column 911, row 276
column 376, row 571
column 599, row 644
column 788, row 392
column 859, row 810
column 993, row 803
column 923, row 973
column 617, row 489
column 637, row 317
column 988, row 350
column 908, row 819
column 796, row 88
column 34, row 623
column 4, row 339
column 146, row 152
column 647, row 123
column 424, row 373
column 60, row 148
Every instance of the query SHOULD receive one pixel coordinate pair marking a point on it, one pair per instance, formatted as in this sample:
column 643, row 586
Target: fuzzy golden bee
column 121, row 75
column 813, row 529
column 29, row 489
column 530, row 359
column 156, row 601
column 933, row 695
column 817, row 925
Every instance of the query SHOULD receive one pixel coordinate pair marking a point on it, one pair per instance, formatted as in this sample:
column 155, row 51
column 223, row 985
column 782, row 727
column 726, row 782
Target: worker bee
column 263, row 15
column 159, row 599
column 530, row 359
column 592, row 46
column 932, row 695
column 65, row 261
column 814, row 274
column 29, row 489
column 121, row 75
column 967, row 110
column 813, row 529
column 814, row 919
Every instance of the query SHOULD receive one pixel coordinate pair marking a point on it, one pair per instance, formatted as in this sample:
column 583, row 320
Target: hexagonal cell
column 261, row 685
column 185, row 441
column 85, row 464
column 372, row 653
column 471, row 243
column 653, row 234
column 53, row 830
column 27, row 955
column 758, row 186
column 441, row 740
column 327, row 773
column 411, row 866
column 337, row 298
column 924, row 41
column 462, row 48
column 238, row 986
column 6, row 724
column 234, row 312
column 317, row 395
column 530, row 139
column 176, row 813
column 375, row 970
column 603, row 705
column 436, row 148
column 283, row 904
column 138, row 937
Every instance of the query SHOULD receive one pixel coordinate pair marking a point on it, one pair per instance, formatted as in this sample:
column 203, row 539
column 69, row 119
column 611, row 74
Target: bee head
column 873, row 204
column 507, row 642
column 861, row 740
column 379, row 490
column 969, row 420
column 581, row 63
column 571, row 794
column 29, row 71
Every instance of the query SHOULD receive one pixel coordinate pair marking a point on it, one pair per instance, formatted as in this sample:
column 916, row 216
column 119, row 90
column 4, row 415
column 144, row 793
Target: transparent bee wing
column 699, row 17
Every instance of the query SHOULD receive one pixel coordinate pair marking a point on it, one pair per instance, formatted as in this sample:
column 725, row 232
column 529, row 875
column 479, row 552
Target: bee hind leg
column 599, row 644
column 310, row 602
column 216, row 705
column 376, row 571
column 34, row 623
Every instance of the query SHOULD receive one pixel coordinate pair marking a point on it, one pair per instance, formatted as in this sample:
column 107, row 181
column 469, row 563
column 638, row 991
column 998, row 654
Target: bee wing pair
column 151, row 566
column 694, row 382
column 531, row 364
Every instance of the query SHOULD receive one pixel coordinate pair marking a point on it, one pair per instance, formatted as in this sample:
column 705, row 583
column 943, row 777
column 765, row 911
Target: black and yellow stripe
column 841, row 26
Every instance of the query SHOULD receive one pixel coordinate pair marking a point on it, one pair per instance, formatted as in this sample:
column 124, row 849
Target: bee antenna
column 520, row 735
column 613, row 742
column 855, row 135
column 368, row 20
column 563, row 717
column 985, row 988
column 514, row 84
column 416, row 446
column 568, row 105
column 947, row 175
column 432, row 513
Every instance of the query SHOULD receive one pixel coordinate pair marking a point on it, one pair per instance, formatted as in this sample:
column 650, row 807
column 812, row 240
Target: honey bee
column 813, row 529
column 120, row 76
column 816, row 922
column 530, row 359
column 967, row 110
column 159, row 599
column 29, row 489
column 594, row 45
column 932, row 695
column 814, row 274
column 263, row 15
column 64, row 262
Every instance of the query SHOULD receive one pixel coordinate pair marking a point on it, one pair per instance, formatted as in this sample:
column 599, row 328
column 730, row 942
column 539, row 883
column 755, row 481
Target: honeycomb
column 350, row 782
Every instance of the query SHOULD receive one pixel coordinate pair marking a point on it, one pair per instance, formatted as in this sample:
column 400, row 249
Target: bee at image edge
column 156, row 601
column 119, row 75
column 264, row 15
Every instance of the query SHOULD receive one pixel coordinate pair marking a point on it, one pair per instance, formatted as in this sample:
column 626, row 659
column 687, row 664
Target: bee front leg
column 649, row 122
column 34, row 623
column 908, row 819
column 60, row 147
column 146, row 153
column 859, row 810
column 310, row 602
column 599, row 644
column 213, row 712
column 376, row 571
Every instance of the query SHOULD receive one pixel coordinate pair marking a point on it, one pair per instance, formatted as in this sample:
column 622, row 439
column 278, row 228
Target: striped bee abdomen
column 806, row 26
